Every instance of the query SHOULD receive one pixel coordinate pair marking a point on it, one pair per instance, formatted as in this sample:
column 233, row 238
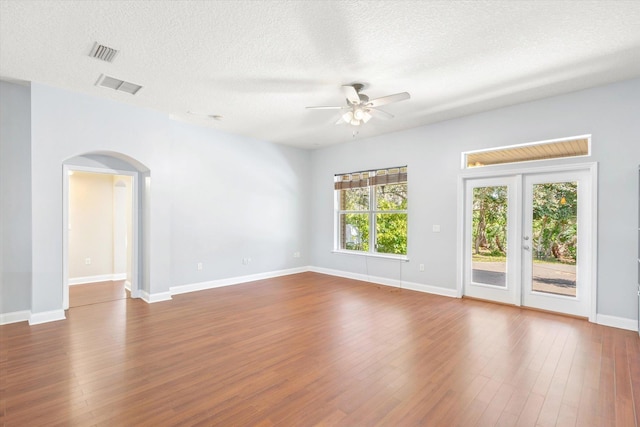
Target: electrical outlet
column 296, row 254
column 421, row 267
column 246, row 261
column 87, row 261
column 199, row 266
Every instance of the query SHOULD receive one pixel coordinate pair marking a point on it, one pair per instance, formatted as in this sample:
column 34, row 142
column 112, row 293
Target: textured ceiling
column 259, row 63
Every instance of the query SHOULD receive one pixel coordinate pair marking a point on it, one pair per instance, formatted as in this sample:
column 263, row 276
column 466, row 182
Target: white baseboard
column 617, row 322
column 96, row 279
column 46, row 316
column 453, row 293
column 15, row 317
column 183, row 289
column 157, row 297
column 430, row 289
column 54, row 315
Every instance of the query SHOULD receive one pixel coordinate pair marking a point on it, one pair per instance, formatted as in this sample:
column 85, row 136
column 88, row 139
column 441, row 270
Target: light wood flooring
column 316, row 350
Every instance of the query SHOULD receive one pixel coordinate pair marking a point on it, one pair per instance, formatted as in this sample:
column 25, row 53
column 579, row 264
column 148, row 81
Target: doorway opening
column 105, row 196
column 100, row 233
column 529, row 239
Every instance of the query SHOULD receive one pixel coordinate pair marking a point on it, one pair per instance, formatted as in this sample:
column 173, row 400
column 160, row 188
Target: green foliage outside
column 490, row 221
column 360, row 225
column 554, row 222
column 555, row 225
column 391, row 228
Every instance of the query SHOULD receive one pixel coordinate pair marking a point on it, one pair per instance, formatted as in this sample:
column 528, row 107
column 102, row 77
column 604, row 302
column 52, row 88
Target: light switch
column 436, row 228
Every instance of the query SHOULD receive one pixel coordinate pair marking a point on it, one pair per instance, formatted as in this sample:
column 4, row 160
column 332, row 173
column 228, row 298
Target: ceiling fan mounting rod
column 358, row 87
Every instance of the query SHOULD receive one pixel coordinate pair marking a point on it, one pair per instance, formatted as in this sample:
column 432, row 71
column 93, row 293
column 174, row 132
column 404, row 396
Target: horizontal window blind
column 374, row 177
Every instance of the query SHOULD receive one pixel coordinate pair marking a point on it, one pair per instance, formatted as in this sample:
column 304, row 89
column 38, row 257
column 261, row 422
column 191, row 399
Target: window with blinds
column 371, row 211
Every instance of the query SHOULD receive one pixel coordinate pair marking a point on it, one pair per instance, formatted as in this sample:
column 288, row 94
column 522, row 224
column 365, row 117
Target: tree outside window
column 372, row 211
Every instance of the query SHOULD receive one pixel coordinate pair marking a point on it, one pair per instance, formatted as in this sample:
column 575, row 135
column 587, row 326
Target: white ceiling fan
column 360, row 108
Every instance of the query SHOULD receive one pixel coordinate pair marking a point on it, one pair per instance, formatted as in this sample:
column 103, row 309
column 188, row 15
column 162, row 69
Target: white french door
column 491, row 270
column 556, row 271
column 528, row 240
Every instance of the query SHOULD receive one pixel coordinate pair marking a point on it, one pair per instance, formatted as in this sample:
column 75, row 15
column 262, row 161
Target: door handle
column 526, row 247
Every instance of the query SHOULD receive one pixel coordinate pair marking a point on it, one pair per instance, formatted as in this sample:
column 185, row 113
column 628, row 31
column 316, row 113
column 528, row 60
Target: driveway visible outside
column 551, row 278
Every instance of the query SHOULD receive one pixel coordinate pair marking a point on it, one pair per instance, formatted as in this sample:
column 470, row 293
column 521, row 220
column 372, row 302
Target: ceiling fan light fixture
column 359, row 107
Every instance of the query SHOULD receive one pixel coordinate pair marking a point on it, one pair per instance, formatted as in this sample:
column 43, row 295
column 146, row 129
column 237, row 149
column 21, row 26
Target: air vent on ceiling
column 103, row 52
column 117, row 84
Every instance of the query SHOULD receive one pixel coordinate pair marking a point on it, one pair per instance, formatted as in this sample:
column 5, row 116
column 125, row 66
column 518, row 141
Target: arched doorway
column 122, row 168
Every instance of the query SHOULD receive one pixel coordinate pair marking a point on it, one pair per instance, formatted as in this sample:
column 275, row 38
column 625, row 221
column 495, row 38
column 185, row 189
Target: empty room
column 319, row 213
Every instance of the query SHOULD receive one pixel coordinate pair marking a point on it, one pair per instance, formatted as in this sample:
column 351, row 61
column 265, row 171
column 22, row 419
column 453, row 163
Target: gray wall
column 610, row 113
column 234, row 198
column 15, row 199
column 65, row 125
column 215, row 198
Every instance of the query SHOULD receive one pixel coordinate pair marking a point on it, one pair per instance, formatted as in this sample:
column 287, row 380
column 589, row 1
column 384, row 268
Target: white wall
column 15, row 201
column 432, row 153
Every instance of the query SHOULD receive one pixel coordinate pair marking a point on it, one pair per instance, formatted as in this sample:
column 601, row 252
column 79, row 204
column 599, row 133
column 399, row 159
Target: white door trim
column 579, row 304
column 135, row 279
column 509, row 293
column 486, row 172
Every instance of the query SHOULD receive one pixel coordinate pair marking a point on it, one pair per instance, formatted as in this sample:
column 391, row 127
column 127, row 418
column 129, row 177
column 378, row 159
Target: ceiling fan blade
column 388, row 99
column 325, row 108
column 340, row 121
column 351, row 93
column 379, row 113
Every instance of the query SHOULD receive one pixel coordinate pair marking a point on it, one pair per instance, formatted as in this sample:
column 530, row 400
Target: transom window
column 371, row 211
column 578, row 146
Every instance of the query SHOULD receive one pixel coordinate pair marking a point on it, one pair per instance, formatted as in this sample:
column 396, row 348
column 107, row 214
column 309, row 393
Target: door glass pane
column 555, row 237
column 489, row 236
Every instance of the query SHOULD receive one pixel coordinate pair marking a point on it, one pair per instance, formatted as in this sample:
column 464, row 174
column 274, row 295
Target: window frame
column 372, row 213
column 559, row 155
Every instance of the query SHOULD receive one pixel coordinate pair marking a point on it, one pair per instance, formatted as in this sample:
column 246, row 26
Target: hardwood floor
column 316, row 350
column 94, row 293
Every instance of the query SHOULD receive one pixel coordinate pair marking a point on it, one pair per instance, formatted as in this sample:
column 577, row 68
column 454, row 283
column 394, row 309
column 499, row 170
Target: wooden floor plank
column 625, row 412
column 95, row 293
column 310, row 349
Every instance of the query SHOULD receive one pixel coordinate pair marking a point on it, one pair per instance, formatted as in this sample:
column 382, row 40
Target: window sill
column 403, row 258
